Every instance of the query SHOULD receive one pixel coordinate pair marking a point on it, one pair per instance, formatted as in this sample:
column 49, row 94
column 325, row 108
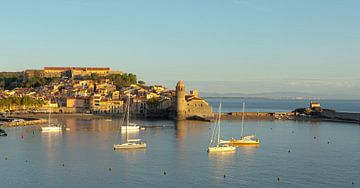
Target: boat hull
column 243, row 142
column 51, row 129
column 221, row 149
column 130, row 146
column 129, row 128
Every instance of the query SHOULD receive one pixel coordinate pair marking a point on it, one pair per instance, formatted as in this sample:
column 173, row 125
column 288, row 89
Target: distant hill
column 272, row 95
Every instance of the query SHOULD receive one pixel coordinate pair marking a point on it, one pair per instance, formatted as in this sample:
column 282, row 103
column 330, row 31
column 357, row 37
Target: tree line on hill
column 21, row 101
column 12, row 80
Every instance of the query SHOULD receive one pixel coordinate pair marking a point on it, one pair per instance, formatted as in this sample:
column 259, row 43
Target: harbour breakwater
column 21, row 121
column 266, row 116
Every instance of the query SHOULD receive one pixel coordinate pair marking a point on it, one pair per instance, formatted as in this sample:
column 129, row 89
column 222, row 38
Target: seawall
column 254, row 115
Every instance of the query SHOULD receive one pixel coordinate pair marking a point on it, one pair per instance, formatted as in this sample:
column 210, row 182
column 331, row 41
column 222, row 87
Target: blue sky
column 251, row 46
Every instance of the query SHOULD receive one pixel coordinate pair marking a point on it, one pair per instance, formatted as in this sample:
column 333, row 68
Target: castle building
column 77, row 71
column 190, row 105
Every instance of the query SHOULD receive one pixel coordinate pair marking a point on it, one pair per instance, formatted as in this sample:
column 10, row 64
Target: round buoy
column 328, row 142
column 289, row 151
column 352, row 183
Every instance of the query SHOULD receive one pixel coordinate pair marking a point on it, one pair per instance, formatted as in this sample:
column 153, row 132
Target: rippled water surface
column 321, row 155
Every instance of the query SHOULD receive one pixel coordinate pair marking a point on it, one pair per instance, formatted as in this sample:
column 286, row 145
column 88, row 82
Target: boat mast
column 219, row 123
column 127, row 118
column 242, row 120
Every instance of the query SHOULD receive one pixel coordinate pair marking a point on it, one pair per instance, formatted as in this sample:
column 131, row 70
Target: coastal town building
column 190, row 105
column 69, row 72
column 315, row 105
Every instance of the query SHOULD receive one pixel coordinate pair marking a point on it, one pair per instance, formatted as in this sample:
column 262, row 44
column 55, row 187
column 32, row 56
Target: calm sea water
column 321, row 155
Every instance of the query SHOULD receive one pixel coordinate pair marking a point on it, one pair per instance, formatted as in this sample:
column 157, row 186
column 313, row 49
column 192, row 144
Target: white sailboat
column 217, row 146
column 244, row 140
column 50, row 127
column 131, row 127
column 130, row 143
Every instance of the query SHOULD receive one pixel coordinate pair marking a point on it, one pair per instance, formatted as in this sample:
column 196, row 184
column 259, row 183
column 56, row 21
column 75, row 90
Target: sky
column 245, row 46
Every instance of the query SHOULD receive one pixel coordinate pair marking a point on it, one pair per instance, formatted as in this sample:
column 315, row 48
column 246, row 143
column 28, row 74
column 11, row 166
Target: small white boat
column 131, row 126
column 50, row 127
column 219, row 147
column 131, row 144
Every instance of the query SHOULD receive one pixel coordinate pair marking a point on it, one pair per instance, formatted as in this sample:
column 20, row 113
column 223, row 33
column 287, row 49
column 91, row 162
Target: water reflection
column 248, row 150
column 220, row 165
column 185, row 128
column 191, row 133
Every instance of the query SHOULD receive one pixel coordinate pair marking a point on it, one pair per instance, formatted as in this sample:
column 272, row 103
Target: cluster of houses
column 89, row 96
column 102, row 97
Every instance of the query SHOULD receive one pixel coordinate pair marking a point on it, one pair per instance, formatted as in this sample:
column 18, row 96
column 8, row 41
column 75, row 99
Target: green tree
column 153, row 103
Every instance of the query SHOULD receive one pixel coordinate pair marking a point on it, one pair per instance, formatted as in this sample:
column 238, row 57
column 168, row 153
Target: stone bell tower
column 180, row 101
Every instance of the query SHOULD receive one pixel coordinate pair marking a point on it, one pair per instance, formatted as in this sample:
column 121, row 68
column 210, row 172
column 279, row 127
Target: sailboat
column 50, row 127
column 130, row 143
column 244, row 140
column 130, row 126
column 219, row 147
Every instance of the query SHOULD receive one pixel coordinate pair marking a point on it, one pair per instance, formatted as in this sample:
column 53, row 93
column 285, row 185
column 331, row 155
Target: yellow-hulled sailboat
column 244, row 140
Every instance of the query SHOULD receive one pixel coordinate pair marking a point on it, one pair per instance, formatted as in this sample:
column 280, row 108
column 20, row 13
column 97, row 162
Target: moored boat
column 130, row 143
column 51, row 127
column 218, row 147
column 244, row 140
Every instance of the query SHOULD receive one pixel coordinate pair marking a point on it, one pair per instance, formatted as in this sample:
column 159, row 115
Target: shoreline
column 41, row 118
